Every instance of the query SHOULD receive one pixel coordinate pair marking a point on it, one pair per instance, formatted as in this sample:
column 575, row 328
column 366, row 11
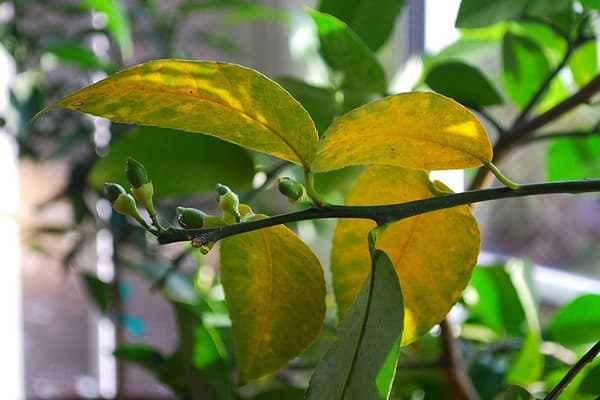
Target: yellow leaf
column 413, row 130
column 275, row 292
column 433, row 253
column 228, row 101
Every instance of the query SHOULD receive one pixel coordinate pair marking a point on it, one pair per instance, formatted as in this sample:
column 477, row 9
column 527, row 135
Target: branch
column 520, row 132
column 586, row 359
column 460, row 385
column 380, row 214
column 567, row 135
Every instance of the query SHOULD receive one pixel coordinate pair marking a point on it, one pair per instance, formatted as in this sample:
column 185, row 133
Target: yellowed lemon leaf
column 414, row 130
column 275, row 292
column 433, row 253
column 228, row 101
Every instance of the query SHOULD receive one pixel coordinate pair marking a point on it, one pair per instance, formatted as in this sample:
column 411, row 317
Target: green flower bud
column 113, row 190
column 144, row 195
column 125, row 204
column 228, row 203
column 290, row 188
column 136, row 173
column 190, row 218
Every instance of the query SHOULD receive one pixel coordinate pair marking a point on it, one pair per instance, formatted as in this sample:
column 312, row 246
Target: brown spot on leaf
column 77, row 104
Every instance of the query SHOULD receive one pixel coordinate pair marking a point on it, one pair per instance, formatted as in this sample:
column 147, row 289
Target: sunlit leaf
column 413, row 130
column 275, row 292
column 433, row 253
column 118, row 22
column 228, row 101
column 591, row 4
column 373, row 21
column 573, row 158
column 464, row 83
column 362, row 363
column 344, row 51
column 255, row 12
column 525, row 67
column 198, row 161
column 577, row 322
column 584, row 63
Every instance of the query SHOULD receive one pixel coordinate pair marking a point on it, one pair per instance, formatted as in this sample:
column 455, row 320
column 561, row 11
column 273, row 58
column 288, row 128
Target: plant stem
column 586, row 359
column 460, row 385
column 380, row 214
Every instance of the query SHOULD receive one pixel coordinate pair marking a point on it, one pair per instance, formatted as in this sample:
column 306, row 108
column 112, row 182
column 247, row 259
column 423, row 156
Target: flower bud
column 190, row 218
column 125, row 204
column 144, row 195
column 113, row 190
column 136, row 173
column 228, row 203
column 290, row 188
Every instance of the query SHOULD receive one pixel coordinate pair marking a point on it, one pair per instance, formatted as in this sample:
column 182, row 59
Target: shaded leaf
column 373, row 21
column 591, row 382
column 344, row 51
column 176, row 288
column 118, row 22
column 584, row 63
column 573, row 158
column 515, row 392
column 362, row 363
column 198, row 161
column 255, row 12
column 75, row 53
column 591, row 4
column 275, row 292
column 577, row 322
column 497, row 305
column 99, row 291
column 479, row 14
column 287, row 393
column 464, row 83
column 143, row 355
column 318, row 101
column 414, row 130
column 525, row 67
column 228, row 101
column 433, row 253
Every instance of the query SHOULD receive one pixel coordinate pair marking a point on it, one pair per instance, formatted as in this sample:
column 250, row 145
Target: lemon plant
column 404, row 248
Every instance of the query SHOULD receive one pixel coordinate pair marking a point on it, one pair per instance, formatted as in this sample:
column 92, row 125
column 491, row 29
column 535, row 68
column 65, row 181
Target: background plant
column 527, row 365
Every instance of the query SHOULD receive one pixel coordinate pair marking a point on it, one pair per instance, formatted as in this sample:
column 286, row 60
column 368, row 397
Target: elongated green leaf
column 433, row 254
column 496, row 305
column 573, row 158
column 584, row 63
column 591, row 383
column 362, row 363
column 77, row 54
column 413, row 130
column 373, row 21
column 478, row 14
column 275, row 292
column 198, row 161
column 99, row 291
column 515, row 392
column 578, row 322
column 464, row 83
column 318, row 101
column 344, row 51
column 145, row 356
column 228, row 101
column 118, row 22
column 525, row 67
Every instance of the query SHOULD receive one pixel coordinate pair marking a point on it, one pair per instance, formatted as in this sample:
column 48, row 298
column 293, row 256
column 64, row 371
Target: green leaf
column 373, row 21
column 464, row 83
column 198, row 161
column 413, row 130
column 573, row 158
column 177, row 288
column 480, row 13
column 143, row 355
column 584, row 63
column 525, row 67
column 287, row 393
column 578, row 322
column 590, row 384
column 75, row 53
column 98, row 290
column 591, row 4
column 318, row 101
column 275, row 293
column 197, row 370
column 255, row 12
column 431, row 284
column 528, row 365
column 515, row 392
column 228, row 101
column 362, row 363
column 496, row 305
column 344, row 51
column 118, row 22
